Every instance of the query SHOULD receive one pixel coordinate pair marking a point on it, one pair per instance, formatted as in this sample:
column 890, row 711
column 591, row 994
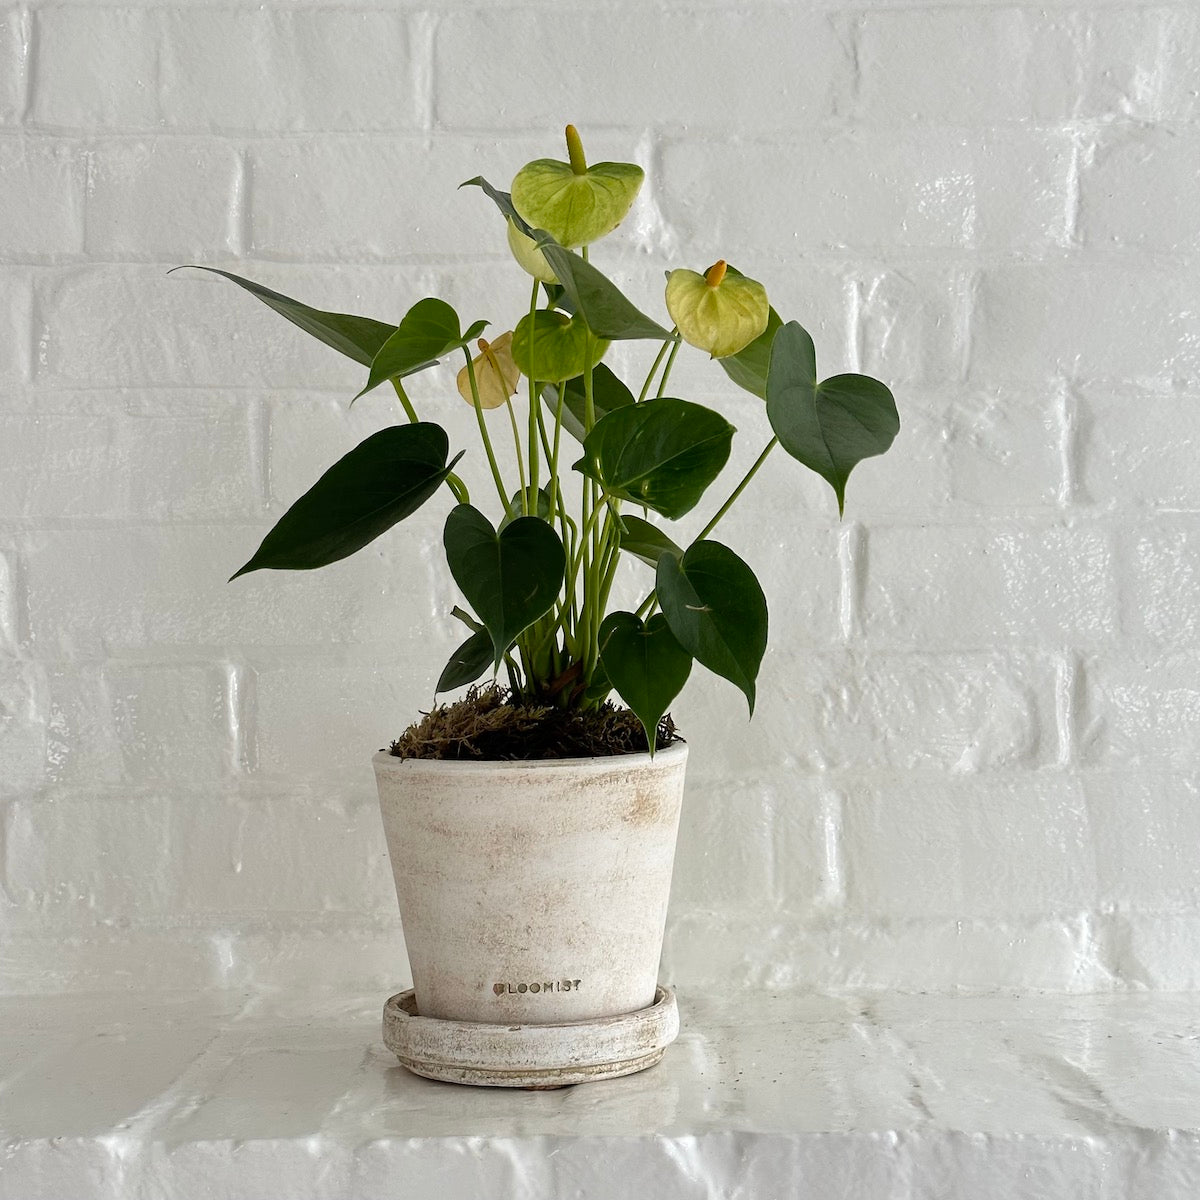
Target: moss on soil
column 487, row 724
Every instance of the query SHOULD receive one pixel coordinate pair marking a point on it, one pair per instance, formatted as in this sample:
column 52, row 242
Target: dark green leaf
column 467, row 663
column 646, row 541
column 465, row 617
column 661, row 454
column 511, row 578
column 539, row 506
column 646, row 665
column 381, row 481
column 716, row 610
column 748, row 367
column 429, row 331
column 358, row 338
column 828, row 426
column 502, row 200
column 557, row 298
column 608, row 393
column 601, row 304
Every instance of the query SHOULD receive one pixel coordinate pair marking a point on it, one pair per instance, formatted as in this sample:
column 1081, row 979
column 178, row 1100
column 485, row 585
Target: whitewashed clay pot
column 532, row 893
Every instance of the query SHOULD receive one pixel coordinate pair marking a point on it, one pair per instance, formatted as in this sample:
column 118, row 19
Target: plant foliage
column 539, row 576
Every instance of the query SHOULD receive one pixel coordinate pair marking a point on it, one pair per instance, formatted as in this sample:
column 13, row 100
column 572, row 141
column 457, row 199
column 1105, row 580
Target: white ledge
column 904, row 1097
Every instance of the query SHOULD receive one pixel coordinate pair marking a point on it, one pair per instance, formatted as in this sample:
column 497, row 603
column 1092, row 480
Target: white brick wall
column 976, row 757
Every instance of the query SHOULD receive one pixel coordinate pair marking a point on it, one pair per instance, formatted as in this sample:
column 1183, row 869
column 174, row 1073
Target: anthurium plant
column 594, row 457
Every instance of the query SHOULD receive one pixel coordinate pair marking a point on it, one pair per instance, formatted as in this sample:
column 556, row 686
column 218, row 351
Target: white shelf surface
column 292, row 1097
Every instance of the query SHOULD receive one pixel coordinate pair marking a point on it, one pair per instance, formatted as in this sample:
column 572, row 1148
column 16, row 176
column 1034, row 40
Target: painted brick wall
column 976, row 758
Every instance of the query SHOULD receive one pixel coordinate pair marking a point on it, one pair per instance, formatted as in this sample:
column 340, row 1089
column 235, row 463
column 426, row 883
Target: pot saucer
column 529, row 1056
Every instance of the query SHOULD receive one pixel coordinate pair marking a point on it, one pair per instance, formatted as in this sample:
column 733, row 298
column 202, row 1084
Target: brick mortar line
column 1068, row 127
column 867, row 257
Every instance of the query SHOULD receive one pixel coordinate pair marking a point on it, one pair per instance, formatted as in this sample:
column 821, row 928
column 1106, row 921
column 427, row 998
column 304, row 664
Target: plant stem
column 512, row 420
column 457, row 488
column 558, row 411
column 647, row 606
column 483, row 433
column 662, row 383
column 535, row 406
column 737, row 491
column 405, row 401
column 653, row 369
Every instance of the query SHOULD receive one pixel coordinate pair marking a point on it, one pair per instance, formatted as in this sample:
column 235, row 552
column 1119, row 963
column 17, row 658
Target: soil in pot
column 493, row 725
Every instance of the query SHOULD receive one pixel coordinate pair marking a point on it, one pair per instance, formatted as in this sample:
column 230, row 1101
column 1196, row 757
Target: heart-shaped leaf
column 748, row 367
column 467, row 663
column 359, row 338
column 608, row 393
column 645, row 663
column 717, row 611
column 428, row 332
column 556, row 349
column 646, row 541
column 828, row 426
column 381, row 481
column 661, row 454
column 511, row 578
column 575, row 209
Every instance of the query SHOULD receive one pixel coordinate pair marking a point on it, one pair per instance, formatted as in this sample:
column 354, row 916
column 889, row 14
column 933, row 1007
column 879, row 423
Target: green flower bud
column 574, row 203
column 557, row 349
column 718, row 312
column 530, row 259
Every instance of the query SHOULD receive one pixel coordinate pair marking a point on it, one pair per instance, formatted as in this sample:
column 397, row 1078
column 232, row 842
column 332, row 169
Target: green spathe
column 719, row 311
column 530, row 259
column 575, row 207
column 559, row 347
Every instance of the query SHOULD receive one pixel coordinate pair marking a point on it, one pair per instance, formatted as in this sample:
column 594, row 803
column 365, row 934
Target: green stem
column 512, row 420
column 653, row 370
column 535, row 407
column 483, row 433
column 457, row 488
column 737, row 491
column 405, row 401
column 662, row 383
column 651, row 600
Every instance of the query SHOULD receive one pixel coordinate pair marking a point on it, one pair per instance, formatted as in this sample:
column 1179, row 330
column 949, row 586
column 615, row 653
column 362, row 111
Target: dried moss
column 489, row 724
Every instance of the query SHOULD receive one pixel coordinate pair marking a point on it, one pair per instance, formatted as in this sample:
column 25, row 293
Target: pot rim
column 668, row 756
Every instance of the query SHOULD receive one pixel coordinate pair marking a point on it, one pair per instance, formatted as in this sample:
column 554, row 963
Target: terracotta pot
column 533, row 892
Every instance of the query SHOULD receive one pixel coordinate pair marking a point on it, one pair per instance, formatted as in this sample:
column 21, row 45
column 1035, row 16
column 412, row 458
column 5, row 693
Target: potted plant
column 532, row 824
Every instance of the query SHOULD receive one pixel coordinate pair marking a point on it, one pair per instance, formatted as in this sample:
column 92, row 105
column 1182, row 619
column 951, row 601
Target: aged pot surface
column 533, row 892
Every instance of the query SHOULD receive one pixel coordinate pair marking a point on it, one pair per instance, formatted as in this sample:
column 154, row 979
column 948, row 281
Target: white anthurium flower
column 496, row 375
